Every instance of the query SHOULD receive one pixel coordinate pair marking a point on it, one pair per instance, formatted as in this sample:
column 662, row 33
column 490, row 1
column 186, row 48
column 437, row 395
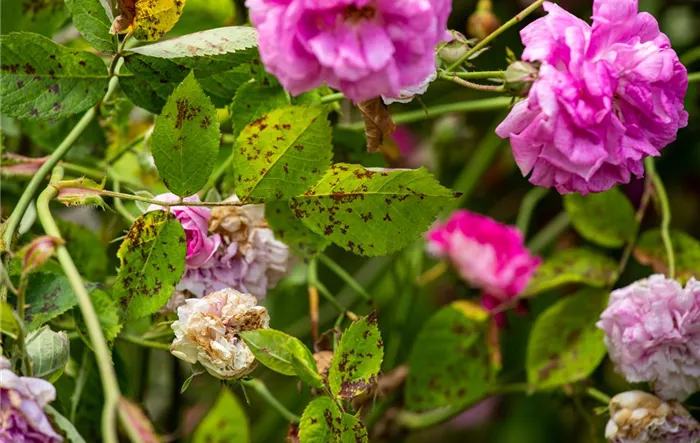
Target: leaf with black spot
column 290, row 230
column 324, row 422
column 226, row 421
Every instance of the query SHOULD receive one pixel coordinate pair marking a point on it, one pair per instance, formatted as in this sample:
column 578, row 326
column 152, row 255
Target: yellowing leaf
column 149, row 19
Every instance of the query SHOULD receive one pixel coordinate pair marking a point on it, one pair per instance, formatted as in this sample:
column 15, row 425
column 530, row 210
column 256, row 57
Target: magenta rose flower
column 606, row 97
column 652, row 331
column 487, row 254
column 22, row 402
column 195, row 221
column 365, row 48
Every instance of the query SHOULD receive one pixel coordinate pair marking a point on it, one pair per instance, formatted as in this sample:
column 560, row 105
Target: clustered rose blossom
column 365, row 48
column 22, row 402
column 207, row 331
column 487, row 254
column 652, row 332
column 639, row 417
column 246, row 255
column 606, row 97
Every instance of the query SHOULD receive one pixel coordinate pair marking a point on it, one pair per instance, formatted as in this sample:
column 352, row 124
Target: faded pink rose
column 606, row 97
column 365, row 48
column 652, row 331
column 200, row 245
column 487, row 254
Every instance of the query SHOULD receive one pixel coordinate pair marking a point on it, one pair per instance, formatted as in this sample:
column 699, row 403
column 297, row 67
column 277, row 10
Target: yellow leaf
column 153, row 18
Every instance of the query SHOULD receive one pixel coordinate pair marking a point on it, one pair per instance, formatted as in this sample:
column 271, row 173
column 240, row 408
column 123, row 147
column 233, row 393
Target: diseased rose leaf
column 277, row 351
column 607, row 218
column 650, row 250
column 48, row 352
column 572, row 266
column 225, row 421
column 185, row 141
column 290, row 230
column 565, row 345
column 282, row 153
column 152, row 260
column 43, row 80
column 450, row 362
column 324, row 422
column 357, row 359
column 252, row 101
column 93, row 22
column 47, row 297
column 371, row 211
column 149, row 20
column 43, row 17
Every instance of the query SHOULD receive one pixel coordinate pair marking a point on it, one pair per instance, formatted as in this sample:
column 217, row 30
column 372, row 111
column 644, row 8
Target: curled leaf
column 378, row 123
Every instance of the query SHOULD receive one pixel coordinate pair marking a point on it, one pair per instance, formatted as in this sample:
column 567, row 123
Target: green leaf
column 47, row 297
column 48, row 352
column 108, row 313
column 63, row 425
column 573, row 266
column 152, row 262
column 225, row 422
column 93, row 21
column 324, row 422
column 282, row 153
column 43, row 80
column 292, row 231
column 650, row 251
column 307, row 373
column 252, row 101
column 565, row 345
column 186, row 139
column 450, row 362
column 87, row 250
column 150, row 73
column 8, row 321
column 357, row 360
column 371, row 211
column 43, row 17
column 607, row 219
column 277, row 350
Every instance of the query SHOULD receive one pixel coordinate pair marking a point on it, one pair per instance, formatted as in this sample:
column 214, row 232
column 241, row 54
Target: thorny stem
column 665, row 214
column 471, row 85
column 259, row 387
column 167, row 204
column 491, row 37
column 97, row 339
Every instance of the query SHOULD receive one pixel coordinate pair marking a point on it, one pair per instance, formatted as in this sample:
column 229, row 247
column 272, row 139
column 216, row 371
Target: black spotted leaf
column 47, row 297
column 565, row 345
column 93, row 21
column 185, row 141
column 252, row 101
column 607, row 218
column 357, row 359
column 572, row 266
column 371, row 211
column 282, row 153
column 650, row 250
column 450, row 362
column 324, row 422
column 152, row 262
column 43, row 80
column 226, row 421
column 290, row 230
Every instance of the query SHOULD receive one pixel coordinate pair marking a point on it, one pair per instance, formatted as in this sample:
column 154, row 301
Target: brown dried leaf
column 378, row 123
column 127, row 12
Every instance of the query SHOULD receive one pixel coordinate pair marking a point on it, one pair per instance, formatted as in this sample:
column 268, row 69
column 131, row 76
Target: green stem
column 145, row 343
column 259, row 387
column 549, row 233
column 694, row 77
column 691, row 56
column 489, row 104
column 97, row 339
column 124, row 149
column 21, row 338
column 491, row 37
column 600, row 396
column 167, row 204
column 665, row 214
column 323, row 290
column 330, row 98
column 527, row 208
column 468, row 84
column 345, row 276
column 119, row 205
column 420, row 420
column 80, row 382
column 477, row 75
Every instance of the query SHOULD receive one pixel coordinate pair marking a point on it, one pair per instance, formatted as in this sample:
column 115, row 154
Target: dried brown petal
column 378, row 123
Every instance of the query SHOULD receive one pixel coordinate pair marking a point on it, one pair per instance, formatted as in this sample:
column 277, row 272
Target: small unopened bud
column 15, row 165
column 453, row 50
column 483, row 21
column 519, row 78
column 80, row 192
column 38, row 252
column 640, row 417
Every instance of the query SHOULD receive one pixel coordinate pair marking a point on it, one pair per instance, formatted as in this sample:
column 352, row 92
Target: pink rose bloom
column 200, row 245
column 365, row 48
column 487, row 254
column 652, row 331
column 22, row 402
column 607, row 96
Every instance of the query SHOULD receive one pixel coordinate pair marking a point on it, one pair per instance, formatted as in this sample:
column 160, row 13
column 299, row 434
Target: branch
column 665, row 214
